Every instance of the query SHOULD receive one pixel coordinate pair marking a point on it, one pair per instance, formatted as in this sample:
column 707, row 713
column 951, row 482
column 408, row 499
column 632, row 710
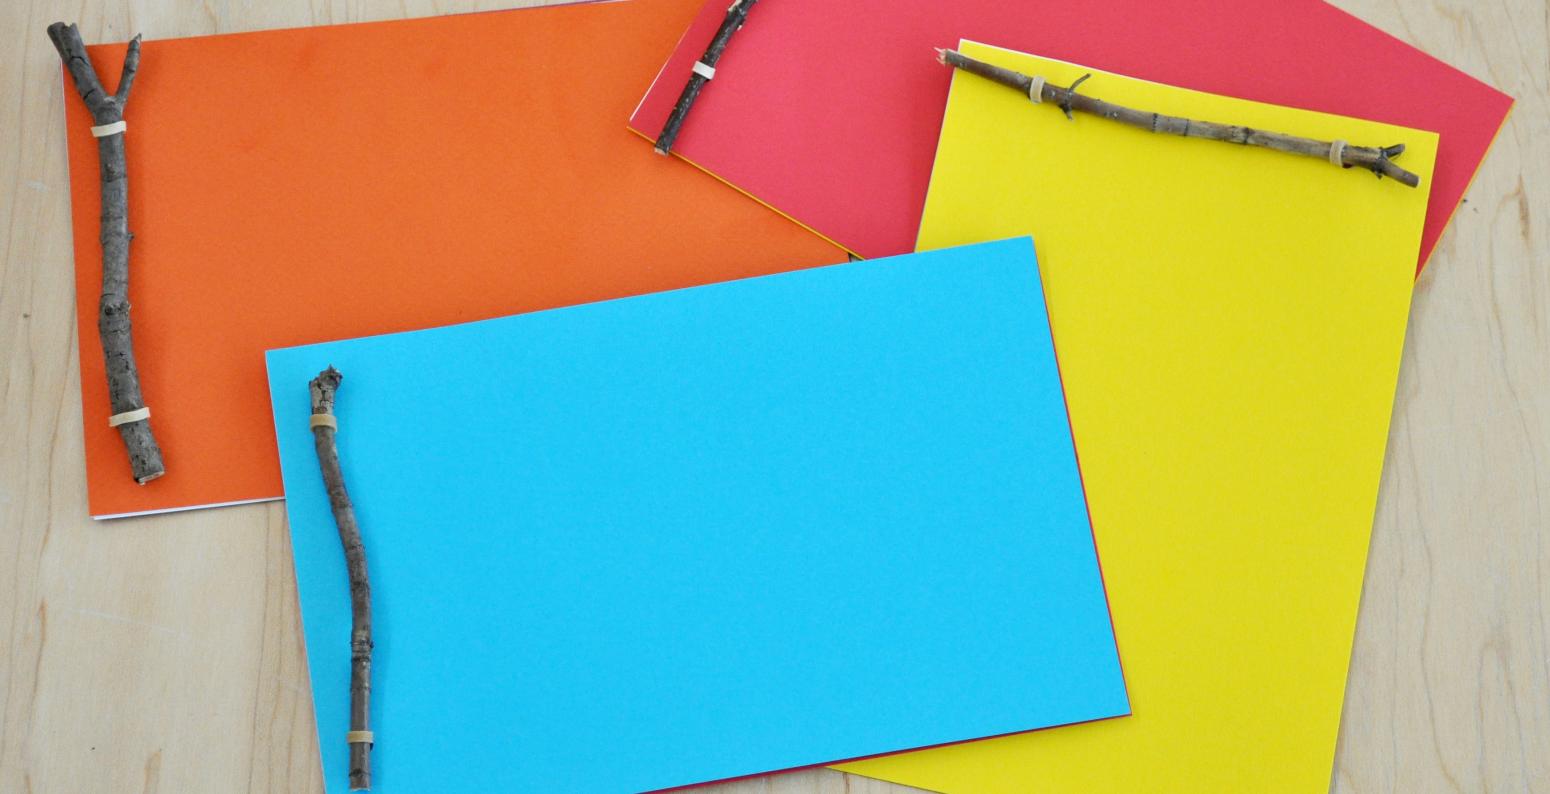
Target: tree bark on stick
column 324, row 428
column 737, row 14
column 113, row 324
column 1379, row 160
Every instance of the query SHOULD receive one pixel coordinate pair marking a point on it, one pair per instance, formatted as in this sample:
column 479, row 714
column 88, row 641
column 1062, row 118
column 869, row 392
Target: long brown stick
column 737, row 15
column 324, row 427
column 129, row 414
column 1377, row 160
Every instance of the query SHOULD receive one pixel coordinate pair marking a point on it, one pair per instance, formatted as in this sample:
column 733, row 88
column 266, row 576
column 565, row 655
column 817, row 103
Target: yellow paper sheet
column 1229, row 322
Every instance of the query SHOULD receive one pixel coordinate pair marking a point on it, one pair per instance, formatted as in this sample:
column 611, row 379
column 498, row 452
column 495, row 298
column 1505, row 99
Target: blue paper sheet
column 708, row 533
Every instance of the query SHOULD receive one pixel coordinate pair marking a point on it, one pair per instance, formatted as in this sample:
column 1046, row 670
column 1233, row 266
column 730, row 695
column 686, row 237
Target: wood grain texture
column 164, row 654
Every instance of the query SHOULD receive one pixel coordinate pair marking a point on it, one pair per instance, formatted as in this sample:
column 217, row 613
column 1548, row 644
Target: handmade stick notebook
column 1229, row 321
column 462, row 167
column 707, row 533
column 828, row 110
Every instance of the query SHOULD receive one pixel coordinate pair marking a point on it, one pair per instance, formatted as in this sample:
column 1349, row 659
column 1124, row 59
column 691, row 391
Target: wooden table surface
column 164, row 653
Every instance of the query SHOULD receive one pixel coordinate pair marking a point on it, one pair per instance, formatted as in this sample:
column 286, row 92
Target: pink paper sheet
column 828, row 110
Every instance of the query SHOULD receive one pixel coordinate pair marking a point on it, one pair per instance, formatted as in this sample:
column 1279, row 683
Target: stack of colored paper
column 350, row 206
column 671, row 497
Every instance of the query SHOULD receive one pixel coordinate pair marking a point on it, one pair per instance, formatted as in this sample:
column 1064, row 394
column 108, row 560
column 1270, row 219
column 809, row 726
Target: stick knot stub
column 1385, row 156
column 1065, row 104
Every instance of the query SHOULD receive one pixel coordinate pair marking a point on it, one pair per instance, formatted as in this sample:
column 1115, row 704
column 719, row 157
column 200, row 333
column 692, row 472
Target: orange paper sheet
column 306, row 185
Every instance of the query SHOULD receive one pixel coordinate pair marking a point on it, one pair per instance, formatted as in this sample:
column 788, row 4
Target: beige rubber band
column 358, row 737
column 116, row 128
column 704, row 70
column 1036, row 89
column 323, row 420
column 129, row 416
column 1337, row 153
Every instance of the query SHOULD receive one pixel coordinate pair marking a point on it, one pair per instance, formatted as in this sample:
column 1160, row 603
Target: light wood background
column 164, row 654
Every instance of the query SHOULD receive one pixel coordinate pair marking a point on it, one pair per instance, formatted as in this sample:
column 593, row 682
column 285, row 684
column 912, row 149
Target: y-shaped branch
column 324, row 428
column 1380, row 161
column 130, row 415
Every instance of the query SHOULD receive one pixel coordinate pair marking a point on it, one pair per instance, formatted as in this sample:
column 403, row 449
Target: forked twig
column 1379, row 160
column 130, row 414
column 324, row 427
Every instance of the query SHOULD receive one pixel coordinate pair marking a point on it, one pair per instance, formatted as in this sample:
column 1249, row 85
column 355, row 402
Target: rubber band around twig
column 116, row 128
column 1036, row 89
column 323, row 420
column 126, row 417
column 1337, row 153
column 359, row 737
column 706, row 71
